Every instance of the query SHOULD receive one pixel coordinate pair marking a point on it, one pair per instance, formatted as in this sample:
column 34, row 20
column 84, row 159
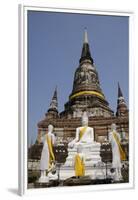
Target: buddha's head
column 113, row 126
column 85, row 119
column 50, row 128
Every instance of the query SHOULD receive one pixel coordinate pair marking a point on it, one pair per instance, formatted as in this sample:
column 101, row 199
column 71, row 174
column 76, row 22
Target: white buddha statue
column 85, row 138
column 84, row 134
column 118, row 154
column 47, row 161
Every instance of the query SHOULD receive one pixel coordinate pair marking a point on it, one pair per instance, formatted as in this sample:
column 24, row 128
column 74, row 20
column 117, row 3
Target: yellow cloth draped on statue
column 79, row 166
column 122, row 153
column 50, row 148
column 82, row 131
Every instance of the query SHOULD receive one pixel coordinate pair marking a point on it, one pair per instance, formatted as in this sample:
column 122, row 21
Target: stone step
column 93, row 173
column 89, row 153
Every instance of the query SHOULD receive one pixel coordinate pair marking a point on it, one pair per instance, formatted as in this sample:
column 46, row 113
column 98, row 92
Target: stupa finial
column 85, row 35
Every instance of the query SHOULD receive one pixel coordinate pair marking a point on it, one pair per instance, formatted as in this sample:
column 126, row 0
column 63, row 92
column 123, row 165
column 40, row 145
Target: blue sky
column 54, row 48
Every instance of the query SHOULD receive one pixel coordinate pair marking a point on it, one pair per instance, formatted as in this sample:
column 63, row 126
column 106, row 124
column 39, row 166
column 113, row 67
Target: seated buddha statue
column 84, row 134
column 84, row 138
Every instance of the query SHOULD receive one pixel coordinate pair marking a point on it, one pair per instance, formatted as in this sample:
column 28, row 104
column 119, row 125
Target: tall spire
column 86, row 93
column 86, row 78
column 54, row 101
column 86, row 54
column 53, row 108
column 120, row 94
column 121, row 104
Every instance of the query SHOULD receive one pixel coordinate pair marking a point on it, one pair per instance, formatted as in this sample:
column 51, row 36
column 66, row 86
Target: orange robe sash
column 50, row 148
column 82, row 131
column 122, row 153
column 79, row 166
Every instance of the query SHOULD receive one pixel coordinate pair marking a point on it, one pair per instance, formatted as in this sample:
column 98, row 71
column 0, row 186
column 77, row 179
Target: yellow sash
column 50, row 148
column 79, row 166
column 122, row 153
column 82, row 131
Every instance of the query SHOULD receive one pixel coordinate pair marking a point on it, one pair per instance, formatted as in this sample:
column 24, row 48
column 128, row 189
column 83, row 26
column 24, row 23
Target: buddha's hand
column 71, row 144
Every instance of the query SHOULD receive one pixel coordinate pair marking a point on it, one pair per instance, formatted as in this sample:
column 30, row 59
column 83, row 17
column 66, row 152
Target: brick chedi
column 86, row 95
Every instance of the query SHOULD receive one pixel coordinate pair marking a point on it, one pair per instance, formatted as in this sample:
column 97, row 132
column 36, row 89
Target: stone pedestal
column 93, row 172
column 43, row 179
column 91, row 153
column 46, row 179
column 51, row 183
column 94, row 167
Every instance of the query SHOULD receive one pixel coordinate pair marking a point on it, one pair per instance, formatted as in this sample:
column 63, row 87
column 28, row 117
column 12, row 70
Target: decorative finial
column 85, row 35
column 120, row 94
column 85, row 54
column 55, row 93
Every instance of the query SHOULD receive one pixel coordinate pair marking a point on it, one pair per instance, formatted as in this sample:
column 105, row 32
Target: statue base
column 51, row 183
column 92, row 172
column 52, row 176
column 91, row 153
column 49, row 177
column 43, row 179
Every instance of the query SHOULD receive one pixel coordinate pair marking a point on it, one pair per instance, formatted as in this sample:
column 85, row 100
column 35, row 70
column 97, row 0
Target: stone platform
column 72, row 181
column 85, row 180
column 52, row 183
column 99, row 172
